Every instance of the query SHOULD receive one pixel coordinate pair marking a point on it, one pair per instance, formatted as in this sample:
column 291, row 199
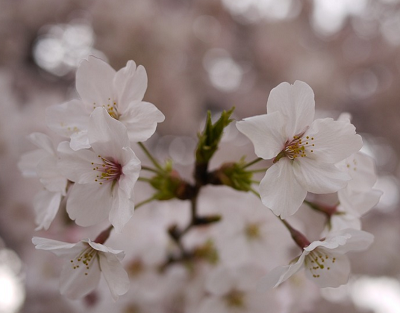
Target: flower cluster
column 95, row 170
column 229, row 242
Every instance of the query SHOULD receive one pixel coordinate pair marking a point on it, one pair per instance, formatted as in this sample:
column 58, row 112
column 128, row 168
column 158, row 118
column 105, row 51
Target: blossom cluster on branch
column 230, row 242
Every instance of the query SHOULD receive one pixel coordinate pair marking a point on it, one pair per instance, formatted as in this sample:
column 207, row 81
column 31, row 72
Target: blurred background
column 204, row 55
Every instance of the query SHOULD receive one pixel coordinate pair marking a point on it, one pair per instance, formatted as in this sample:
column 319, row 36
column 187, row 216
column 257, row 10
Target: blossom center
column 299, row 146
column 318, row 261
column 111, row 107
column 108, row 170
column 84, row 259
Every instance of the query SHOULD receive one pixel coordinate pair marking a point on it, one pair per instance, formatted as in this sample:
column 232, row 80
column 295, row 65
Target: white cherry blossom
column 104, row 175
column 42, row 163
column 304, row 150
column 85, row 261
column 324, row 261
column 120, row 93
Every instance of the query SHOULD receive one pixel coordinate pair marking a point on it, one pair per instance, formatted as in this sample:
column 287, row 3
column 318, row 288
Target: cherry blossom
column 120, row 93
column 104, row 175
column 42, row 163
column 324, row 261
column 304, row 150
column 85, row 261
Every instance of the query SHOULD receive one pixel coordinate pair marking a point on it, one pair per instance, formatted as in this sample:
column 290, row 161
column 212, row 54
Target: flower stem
column 103, row 236
column 151, row 158
column 144, row 202
column 259, row 170
column 252, row 162
column 326, row 209
column 146, row 168
column 297, row 236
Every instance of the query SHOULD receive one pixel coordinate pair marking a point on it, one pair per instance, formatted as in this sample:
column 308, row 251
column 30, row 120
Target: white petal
column 120, row 254
column 335, row 271
column 46, row 205
column 280, row 190
column 42, row 141
column 80, row 140
column 358, row 203
column 50, row 176
column 141, row 120
column 343, row 221
column 361, row 169
column 121, row 209
column 29, row 161
column 89, row 204
column 333, row 140
column 114, row 274
column 59, row 248
column 279, row 274
column 296, row 103
column 319, row 178
column 130, row 84
column 68, row 118
column 357, row 240
column 107, row 136
column 74, row 283
column 265, row 132
column 94, row 79
column 78, row 166
column 343, row 241
column 130, row 170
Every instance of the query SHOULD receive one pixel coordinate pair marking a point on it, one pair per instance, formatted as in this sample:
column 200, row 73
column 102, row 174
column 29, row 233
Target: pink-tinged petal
column 42, row 141
column 279, row 274
column 78, row 166
column 121, row 209
column 29, row 161
column 116, row 277
column 46, row 205
column 107, row 136
column 94, row 79
column 296, row 103
column 130, row 171
column 68, row 118
column 333, row 272
column 80, row 140
column 319, row 178
column 141, row 120
column 89, row 204
column 265, row 132
column 333, row 141
column 220, row 281
column 59, row 248
column 130, row 84
column 280, row 191
column 78, row 281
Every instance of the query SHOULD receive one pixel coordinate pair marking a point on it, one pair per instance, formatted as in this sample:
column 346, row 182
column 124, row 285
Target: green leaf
column 210, row 137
